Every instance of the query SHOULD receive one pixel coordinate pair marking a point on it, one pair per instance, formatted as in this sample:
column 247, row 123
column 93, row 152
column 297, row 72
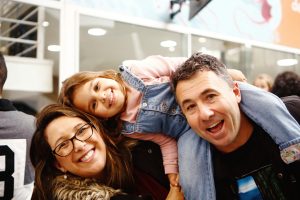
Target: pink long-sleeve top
column 152, row 70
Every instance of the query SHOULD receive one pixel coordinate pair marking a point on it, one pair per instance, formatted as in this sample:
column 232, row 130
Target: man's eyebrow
column 203, row 93
column 208, row 90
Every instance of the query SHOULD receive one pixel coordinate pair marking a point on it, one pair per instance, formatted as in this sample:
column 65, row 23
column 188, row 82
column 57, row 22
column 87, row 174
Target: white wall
column 28, row 74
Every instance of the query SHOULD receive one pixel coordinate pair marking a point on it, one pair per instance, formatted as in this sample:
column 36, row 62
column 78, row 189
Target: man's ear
column 59, row 167
column 237, row 92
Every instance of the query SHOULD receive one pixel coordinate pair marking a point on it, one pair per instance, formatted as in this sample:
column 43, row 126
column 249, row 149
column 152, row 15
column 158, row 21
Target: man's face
column 211, row 108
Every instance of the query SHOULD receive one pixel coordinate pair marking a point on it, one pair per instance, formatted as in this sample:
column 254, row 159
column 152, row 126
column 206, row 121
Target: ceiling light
column 287, row 62
column 168, row 43
column 54, row 48
column 96, row 31
column 45, row 23
column 201, row 39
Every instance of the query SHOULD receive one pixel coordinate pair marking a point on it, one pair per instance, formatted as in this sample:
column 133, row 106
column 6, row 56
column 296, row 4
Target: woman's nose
column 78, row 144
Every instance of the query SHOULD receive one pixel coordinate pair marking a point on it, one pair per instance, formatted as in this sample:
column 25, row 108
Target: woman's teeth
column 87, row 156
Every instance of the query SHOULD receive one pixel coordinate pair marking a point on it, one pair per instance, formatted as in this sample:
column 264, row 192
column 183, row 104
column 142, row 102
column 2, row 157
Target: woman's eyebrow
column 64, row 137
column 78, row 126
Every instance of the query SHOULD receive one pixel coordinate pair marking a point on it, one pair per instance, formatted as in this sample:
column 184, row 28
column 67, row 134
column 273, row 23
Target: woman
column 74, row 159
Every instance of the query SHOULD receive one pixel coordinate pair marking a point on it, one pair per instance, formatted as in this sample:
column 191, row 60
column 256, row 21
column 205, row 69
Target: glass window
column 249, row 59
column 229, row 52
column 104, row 44
column 26, row 32
column 268, row 61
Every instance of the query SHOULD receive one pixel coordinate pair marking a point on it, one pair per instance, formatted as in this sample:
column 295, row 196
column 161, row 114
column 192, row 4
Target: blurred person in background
column 286, row 84
column 263, row 81
column 16, row 130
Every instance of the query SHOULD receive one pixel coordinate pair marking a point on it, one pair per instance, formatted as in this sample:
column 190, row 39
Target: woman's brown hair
column 117, row 172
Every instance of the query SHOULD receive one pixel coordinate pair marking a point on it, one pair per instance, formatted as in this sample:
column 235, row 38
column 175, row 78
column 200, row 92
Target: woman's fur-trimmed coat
column 81, row 188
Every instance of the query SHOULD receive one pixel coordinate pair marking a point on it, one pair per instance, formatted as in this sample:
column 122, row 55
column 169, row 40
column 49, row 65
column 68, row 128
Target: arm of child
column 268, row 111
column 169, row 152
column 154, row 66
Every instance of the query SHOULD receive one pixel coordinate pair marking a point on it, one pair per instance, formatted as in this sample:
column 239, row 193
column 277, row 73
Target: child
column 264, row 81
column 141, row 97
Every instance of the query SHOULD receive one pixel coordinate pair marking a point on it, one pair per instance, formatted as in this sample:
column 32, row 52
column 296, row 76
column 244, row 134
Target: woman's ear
column 59, row 167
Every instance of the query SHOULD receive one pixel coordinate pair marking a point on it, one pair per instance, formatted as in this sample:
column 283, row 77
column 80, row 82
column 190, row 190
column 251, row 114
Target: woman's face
column 101, row 97
column 88, row 158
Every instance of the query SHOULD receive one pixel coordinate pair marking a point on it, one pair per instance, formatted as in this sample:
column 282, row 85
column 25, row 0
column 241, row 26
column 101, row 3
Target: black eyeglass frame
column 74, row 137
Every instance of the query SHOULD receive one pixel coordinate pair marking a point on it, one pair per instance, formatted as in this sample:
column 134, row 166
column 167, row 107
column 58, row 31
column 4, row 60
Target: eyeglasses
column 84, row 133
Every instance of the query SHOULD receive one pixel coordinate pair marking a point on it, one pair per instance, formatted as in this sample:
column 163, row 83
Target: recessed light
column 287, row 62
column 168, row 43
column 201, row 39
column 54, row 48
column 45, row 23
column 96, row 31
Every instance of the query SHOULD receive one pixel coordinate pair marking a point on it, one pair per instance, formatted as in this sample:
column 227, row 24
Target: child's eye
column 94, row 105
column 96, row 87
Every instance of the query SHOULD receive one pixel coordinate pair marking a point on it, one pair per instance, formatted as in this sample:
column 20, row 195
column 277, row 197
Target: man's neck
column 245, row 132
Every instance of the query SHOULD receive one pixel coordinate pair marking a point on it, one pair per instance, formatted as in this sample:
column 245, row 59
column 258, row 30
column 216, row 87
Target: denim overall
column 159, row 113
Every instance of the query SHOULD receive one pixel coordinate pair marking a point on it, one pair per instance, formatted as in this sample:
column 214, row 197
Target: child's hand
column 175, row 193
column 174, row 180
column 237, row 75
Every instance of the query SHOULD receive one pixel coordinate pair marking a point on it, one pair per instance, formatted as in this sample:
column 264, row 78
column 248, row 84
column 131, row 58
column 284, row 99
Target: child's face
column 261, row 83
column 101, row 97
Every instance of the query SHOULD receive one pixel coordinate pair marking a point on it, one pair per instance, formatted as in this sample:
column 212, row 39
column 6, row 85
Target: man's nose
column 205, row 112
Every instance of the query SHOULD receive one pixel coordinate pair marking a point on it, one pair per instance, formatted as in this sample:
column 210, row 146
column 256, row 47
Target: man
column 16, row 130
column 245, row 160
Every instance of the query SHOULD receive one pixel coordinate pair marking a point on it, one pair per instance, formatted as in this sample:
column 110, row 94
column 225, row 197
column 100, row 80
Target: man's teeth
column 87, row 156
column 215, row 124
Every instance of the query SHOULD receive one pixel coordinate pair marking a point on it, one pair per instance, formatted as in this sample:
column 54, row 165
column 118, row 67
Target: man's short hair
column 3, row 72
column 200, row 62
